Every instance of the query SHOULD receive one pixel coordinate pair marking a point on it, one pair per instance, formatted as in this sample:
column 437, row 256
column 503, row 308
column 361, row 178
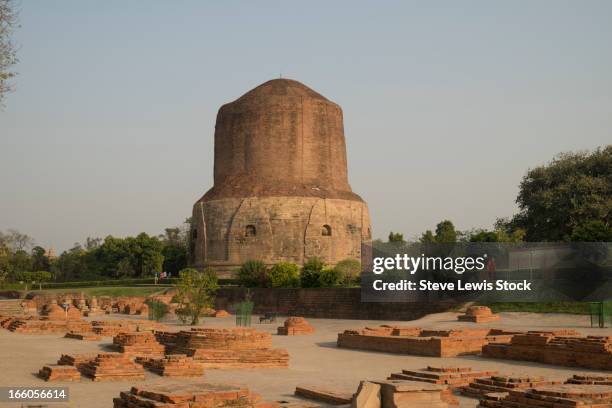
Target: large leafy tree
column 175, row 249
column 445, row 234
column 8, row 56
column 562, row 200
column 40, row 261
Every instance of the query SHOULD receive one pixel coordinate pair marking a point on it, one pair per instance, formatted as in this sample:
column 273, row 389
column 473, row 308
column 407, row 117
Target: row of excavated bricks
column 589, row 352
column 173, row 366
column 452, row 376
column 190, row 396
column 226, row 348
column 114, row 366
column 411, row 340
column 554, row 396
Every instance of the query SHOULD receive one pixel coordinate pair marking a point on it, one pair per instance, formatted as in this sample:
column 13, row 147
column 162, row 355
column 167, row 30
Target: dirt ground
column 314, row 359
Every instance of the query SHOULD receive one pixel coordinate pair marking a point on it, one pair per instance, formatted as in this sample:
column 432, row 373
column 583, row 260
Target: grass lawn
column 550, row 307
column 112, row 290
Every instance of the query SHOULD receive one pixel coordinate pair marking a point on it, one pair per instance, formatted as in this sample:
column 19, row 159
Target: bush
column 284, row 275
column 253, row 274
column 311, row 272
column 329, row 277
column 157, row 310
column 349, row 269
column 195, row 293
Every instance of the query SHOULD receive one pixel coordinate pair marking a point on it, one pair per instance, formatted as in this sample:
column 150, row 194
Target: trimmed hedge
column 118, row 282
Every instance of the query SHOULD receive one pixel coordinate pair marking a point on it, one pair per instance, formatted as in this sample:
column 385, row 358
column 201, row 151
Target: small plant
column 157, row 309
column 284, row 275
column 244, row 310
column 310, row 273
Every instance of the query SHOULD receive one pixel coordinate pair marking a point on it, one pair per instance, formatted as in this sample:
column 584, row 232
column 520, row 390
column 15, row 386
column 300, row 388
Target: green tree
column 567, row 194
column 349, row 269
column 445, row 232
column 8, row 20
column 284, row 275
column 396, row 238
column 40, row 261
column 311, row 271
column 175, row 249
column 72, row 263
column 20, row 261
column 484, row 236
column 40, row 277
column 195, row 293
column 427, row 237
column 5, row 264
column 592, row 231
column 253, row 274
column 329, row 277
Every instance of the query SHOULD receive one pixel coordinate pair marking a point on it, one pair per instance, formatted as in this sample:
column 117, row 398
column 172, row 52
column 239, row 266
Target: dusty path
column 314, row 359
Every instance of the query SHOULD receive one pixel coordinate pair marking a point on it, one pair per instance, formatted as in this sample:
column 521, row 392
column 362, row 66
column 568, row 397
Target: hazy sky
column 446, row 103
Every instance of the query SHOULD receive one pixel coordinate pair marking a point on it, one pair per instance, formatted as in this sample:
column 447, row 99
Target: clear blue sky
column 446, row 103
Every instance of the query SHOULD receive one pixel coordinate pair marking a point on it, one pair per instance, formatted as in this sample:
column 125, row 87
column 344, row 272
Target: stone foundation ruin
column 226, row 348
column 190, row 396
column 556, row 347
column 417, row 341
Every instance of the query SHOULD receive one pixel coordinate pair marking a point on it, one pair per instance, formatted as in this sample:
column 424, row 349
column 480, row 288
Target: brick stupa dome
column 280, row 182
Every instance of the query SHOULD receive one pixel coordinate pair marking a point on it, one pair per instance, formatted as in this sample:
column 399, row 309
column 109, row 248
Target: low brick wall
column 330, row 303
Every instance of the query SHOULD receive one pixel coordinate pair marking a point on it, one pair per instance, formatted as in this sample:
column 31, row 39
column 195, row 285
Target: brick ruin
column 422, row 342
column 452, row 376
column 554, row 396
column 478, row 314
column 222, row 313
column 591, row 378
column 80, row 335
column 399, row 394
column 76, row 360
column 176, row 365
column 138, row 344
column 112, row 367
column 115, row 327
column 190, row 396
column 59, row 373
column 279, row 210
column 556, row 347
column 504, row 384
column 226, row 348
column 327, row 396
column 295, row 326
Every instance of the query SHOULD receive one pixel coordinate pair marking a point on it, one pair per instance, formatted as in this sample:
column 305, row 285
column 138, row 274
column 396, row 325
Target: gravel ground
column 314, row 359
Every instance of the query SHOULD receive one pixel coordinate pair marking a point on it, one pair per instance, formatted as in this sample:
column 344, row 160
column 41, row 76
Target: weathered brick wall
column 331, row 303
column 288, row 229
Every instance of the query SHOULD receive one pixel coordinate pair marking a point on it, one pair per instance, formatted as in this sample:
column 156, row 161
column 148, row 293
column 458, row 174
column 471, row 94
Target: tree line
column 95, row 259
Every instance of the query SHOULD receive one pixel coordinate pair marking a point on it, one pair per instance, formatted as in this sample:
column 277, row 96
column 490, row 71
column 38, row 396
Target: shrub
column 253, row 274
column 284, row 275
column 329, row 277
column 157, row 309
column 349, row 269
column 195, row 293
column 311, row 271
